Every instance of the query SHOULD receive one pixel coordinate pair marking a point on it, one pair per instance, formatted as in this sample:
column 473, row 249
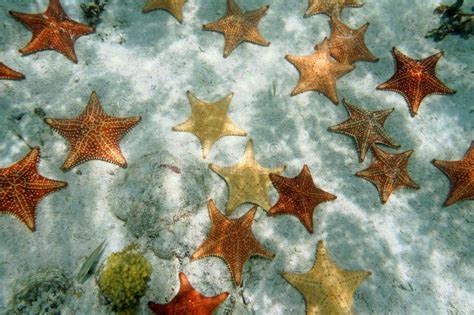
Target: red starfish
column 94, row 135
column 22, row 188
column 298, row 196
column 461, row 175
column 10, row 74
column 415, row 79
column 52, row 29
column 188, row 301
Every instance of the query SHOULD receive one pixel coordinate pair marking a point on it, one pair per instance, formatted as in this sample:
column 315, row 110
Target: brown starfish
column 415, row 79
column 347, row 45
column 52, row 29
column 318, row 72
column 327, row 289
column 298, row 196
column 366, row 128
column 175, row 7
column 22, row 188
column 330, row 7
column 188, row 301
column 238, row 26
column 461, row 175
column 232, row 240
column 388, row 172
column 10, row 74
column 94, row 135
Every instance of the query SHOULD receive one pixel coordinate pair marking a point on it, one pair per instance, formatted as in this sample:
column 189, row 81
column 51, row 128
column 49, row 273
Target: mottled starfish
column 461, row 175
column 388, row 172
column 238, row 26
column 330, row 7
column 366, row 128
column 52, row 29
column 327, row 289
column 175, row 7
column 298, row 196
column 93, row 135
column 415, row 79
column 247, row 180
column 347, row 45
column 22, row 188
column 231, row 240
column 209, row 122
column 318, row 72
column 188, row 301
column 7, row 73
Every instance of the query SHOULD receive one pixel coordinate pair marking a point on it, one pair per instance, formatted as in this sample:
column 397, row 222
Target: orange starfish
column 52, row 29
column 330, row 7
column 94, row 135
column 22, row 188
column 10, row 74
column 388, row 172
column 188, row 301
column 238, row 26
column 415, row 79
column 232, row 240
column 347, row 45
column 461, row 175
column 366, row 128
column 318, row 72
column 298, row 196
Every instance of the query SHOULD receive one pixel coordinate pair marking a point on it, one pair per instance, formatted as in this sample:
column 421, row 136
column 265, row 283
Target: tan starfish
column 347, row 45
column 231, row 240
column 461, row 175
column 330, row 7
column 318, row 72
column 209, row 121
column 175, row 7
column 248, row 181
column 238, row 26
column 366, row 128
column 388, row 172
column 327, row 289
column 93, row 135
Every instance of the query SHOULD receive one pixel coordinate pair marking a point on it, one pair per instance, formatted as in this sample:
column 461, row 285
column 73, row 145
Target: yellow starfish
column 247, row 180
column 326, row 288
column 175, row 7
column 209, row 122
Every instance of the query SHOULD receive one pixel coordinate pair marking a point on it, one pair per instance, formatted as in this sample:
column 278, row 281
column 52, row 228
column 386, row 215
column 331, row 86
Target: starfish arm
column 254, row 36
column 187, row 126
column 353, row 279
column 24, row 209
column 254, row 16
column 68, row 128
column 75, row 29
column 116, row 128
column 353, row 3
column 63, row 43
column 93, row 108
column 461, row 176
column 232, row 8
column 35, row 22
column 230, row 43
column 42, row 41
column 314, row 7
column 55, row 9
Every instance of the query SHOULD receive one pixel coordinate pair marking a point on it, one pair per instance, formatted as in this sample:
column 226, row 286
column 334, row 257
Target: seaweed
column 453, row 21
column 90, row 263
column 92, row 11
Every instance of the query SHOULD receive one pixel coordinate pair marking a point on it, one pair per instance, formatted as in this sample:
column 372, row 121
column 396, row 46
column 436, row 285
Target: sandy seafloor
column 420, row 253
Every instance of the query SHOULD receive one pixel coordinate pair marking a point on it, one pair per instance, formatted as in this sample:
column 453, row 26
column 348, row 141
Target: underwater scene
column 236, row 157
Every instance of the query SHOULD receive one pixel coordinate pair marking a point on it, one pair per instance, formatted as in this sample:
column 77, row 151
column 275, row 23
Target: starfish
column 347, row 45
column 52, row 29
column 327, row 289
column 415, row 79
column 231, row 240
column 318, row 72
column 188, row 301
column 93, row 135
column 461, row 175
column 209, row 121
column 388, row 172
column 298, row 196
column 238, row 26
column 330, row 7
column 22, row 188
column 10, row 74
column 366, row 128
column 247, row 180
column 175, row 7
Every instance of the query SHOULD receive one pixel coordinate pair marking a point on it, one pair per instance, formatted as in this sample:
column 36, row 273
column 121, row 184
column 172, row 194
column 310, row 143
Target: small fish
column 172, row 168
column 90, row 263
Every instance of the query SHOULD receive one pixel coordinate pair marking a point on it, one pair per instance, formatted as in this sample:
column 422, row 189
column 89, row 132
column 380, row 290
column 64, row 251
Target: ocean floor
column 420, row 253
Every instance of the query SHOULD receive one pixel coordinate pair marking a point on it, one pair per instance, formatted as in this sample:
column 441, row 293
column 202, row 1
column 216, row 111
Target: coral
column 123, row 279
column 41, row 292
column 92, row 11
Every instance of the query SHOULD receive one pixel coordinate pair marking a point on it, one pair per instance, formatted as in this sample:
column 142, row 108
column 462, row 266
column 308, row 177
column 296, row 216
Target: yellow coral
column 123, row 279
